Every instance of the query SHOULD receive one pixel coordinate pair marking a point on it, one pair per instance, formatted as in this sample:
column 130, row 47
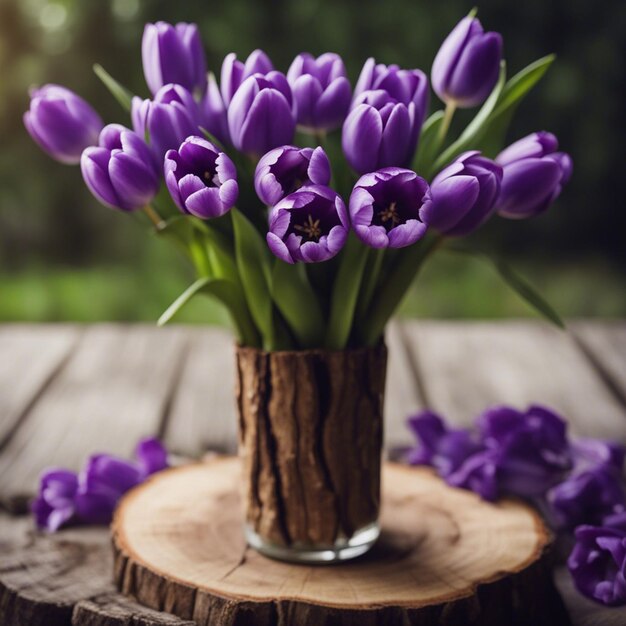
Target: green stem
column 370, row 282
column 199, row 255
column 447, row 119
column 154, row 217
column 395, row 286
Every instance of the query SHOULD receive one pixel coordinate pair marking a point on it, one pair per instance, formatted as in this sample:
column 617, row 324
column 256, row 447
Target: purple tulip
column 62, row 123
column 531, row 446
column 201, row 180
column 260, row 116
column 379, row 132
column 173, row 54
column 284, row 170
column 234, row 72
column 386, row 208
column 467, row 65
column 121, row 173
column 587, row 497
column 309, row 225
column 533, row 175
column 441, row 447
column 91, row 497
column 321, row 91
column 167, row 120
column 404, row 86
column 598, row 561
column 54, row 506
column 591, row 453
column 463, row 195
column 213, row 115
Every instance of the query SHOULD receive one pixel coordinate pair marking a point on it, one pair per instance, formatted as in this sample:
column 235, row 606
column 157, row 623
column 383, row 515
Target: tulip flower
column 54, row 507
column 121, row 173
column 587, row 497
column 260, row 116
column 91, row 496
column 309, row 225
column 201, row 180
column 386, row 207
column 173, row 54
column 62, row 123
column 321, row 91
column 533, row 175
column 463, row 195
column 403, row 85
column 467, row 65
column 598, row 561
column 441, row 447
column 379, row 132
column 213, row 116
column 165, row 121
column 234, row 72
column 283, row 170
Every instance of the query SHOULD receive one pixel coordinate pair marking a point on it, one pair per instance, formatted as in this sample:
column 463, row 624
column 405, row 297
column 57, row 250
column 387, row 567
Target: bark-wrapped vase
column 310, row 438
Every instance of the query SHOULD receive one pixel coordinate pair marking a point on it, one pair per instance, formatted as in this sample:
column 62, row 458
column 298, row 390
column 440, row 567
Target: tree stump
column 445, row 557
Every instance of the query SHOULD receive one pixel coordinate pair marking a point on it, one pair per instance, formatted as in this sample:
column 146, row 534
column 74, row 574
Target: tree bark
column 310, row 432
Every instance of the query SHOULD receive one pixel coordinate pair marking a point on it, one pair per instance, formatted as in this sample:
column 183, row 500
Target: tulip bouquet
column 307, row 206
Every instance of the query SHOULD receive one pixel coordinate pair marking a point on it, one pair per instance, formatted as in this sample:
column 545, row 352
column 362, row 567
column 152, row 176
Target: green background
column 64, row 257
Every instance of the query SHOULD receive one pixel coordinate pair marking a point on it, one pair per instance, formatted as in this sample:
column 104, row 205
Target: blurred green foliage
column 62, row 256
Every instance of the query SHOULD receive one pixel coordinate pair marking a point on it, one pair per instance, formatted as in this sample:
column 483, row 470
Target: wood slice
column 445, row 557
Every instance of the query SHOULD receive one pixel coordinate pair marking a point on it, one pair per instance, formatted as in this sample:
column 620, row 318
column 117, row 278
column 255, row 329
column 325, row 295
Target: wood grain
column 445, row 557
column 112, row 391
column 466, row 367
column 31, row 355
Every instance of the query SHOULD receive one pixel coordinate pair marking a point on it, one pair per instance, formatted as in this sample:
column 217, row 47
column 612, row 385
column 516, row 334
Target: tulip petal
column 452, row 199
column 361, row 138
column 332, row 106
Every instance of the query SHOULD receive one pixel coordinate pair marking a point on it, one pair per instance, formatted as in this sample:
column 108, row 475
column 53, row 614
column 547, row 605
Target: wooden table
column 67, row 391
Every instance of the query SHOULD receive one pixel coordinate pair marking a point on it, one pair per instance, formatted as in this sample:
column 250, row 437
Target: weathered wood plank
column 202, row 413
column 469, row 366
column 605, row 344
column 112, row 391
column 402, row 393
column 29, row 357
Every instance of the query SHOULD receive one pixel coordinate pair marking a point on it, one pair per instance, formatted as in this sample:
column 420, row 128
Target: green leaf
column 298, row 303
column 228, row 294
column 119, row 92
column 527, row 293
column 476, row 128
column 519, row 285
column 520, row 84
column 251, row 255
column 345, row 294
column 394, row 287
column 429, row 143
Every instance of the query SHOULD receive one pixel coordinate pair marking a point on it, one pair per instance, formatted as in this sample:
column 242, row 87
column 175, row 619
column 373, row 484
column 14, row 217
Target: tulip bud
column 463, row 195
column 234, row 72
column 62, row 123
column 123, row 177
column 404, row 85
column 260, row 116
column 213, row 112
column 309, row 225
column 165, row 121
column 467, row 65
column 321, row 91
column 201, row 180
column 386, row 207
column 173, row 54
column 533, row 175
column 379, row 132
column 284, row 170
